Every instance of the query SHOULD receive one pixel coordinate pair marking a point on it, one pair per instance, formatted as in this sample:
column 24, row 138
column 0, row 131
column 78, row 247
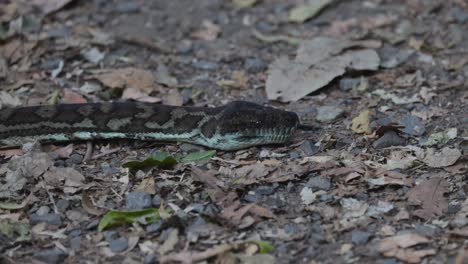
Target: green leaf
column 264, row 246
column 160, row 159
column 15, row 230
column 308, row 10
column 11, row 206
column 114, row 218
column 198, row 156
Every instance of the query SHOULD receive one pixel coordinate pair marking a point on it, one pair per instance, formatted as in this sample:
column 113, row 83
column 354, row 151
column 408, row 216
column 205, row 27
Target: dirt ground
column 378, row 176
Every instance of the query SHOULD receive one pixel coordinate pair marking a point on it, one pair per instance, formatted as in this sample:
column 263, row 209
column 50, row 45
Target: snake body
column 233, row 126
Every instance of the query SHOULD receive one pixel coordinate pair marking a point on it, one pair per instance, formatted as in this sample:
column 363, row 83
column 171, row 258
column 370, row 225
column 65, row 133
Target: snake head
column 243, row 124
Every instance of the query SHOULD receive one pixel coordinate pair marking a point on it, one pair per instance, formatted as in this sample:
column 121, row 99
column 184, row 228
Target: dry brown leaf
column 430, row 196
column 361, row 123
column 170, row 242
column 399, row 247
column 147, row 185
column 443, row 158
column 88, row 205
column 71, row 97
column 140, row 79
column 388, row 177
column 318, row 61
column 137, row 95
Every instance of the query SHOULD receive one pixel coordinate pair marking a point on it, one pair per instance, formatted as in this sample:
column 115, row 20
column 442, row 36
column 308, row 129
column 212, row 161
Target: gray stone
column 154, row 227
column 128, row 7
column 119, row 244
column 460, row 14
column 62, row 205
column 76, row 158
column 157, row 200
column 205, row 65
column 390, row 138
column 346, row 84
column 254, row 65
column 412, row 125
column 50, row 256
column 251, row 198
column 265, row 190
column 319, row 183
column 328, row 113
column 138, row 200
column 360, row 237
column 309, row 148
column 49, row 218
column 43, row 210
column 75, row 243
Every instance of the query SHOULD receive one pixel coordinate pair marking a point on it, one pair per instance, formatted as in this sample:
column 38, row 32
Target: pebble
column 154, row 227
column 390, row 138
column 49, row 218
column 460, row 15
column 412, row 125
column 254, row 65
column 265, row 190
column 251, row 198
column 43, row 210
column 360, row 237
column 328, row 113
column 157, row 200
column 205, row 65
column 138, row 200
column 119, row 244
column 319, row 183
column 309, row 148
column 76, row 158
column 75, row 243
column 346, row 84
column 62, row 205
column 128, row 7
column 50, row 256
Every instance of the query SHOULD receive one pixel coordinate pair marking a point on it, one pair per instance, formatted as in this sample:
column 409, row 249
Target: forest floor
column 380, row 176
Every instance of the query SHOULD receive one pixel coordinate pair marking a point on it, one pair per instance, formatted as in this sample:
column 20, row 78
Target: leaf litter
column 343, row 195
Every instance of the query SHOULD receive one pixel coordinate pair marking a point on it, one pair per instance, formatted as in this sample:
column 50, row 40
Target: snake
column 236, row 125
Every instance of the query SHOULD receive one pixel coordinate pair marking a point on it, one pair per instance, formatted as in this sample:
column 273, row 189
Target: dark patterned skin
column 236, row 125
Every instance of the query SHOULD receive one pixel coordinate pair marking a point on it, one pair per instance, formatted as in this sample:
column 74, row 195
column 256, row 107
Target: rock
column 459, row 14
column 205, row 65
column 328, row 113
column 251, row 198
column 154, row 227
column 184, row 47
column 390, row 138
column 392, row 57
column 157, row 200
column 254, row 65
column 49, row 218
column 138, row 200
column 309, row 148
column 119, row 244
column 76, row 158
column 128, row 7
column 412, row 125
column 265, row 190
column 62, row 205
column 43, row 210
column 319, row 183
column 346, row 84
column 75, row 243
column 360, row 237
column 50, row 256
